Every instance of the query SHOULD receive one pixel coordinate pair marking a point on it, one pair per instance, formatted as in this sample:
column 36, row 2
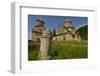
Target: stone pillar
column 45, row 45
column 75, row 38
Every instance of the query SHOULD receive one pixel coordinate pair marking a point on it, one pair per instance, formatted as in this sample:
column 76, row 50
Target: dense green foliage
column 61, row 50
column 33, row 51
column 83, row 32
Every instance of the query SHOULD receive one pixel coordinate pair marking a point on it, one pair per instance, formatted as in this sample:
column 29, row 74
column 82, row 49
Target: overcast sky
column 52, row 22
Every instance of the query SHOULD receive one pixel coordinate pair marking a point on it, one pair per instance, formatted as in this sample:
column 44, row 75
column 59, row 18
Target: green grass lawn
column 61, row 50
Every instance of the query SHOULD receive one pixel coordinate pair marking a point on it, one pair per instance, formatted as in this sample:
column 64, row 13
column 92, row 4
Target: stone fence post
column 46, row 40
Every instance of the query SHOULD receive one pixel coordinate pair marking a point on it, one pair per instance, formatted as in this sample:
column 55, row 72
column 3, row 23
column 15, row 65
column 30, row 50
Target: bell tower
column 37, row 30
column 40, row 23
column 67, row 23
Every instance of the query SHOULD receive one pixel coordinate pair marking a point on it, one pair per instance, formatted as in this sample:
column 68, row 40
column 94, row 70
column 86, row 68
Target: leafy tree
column 83, row 32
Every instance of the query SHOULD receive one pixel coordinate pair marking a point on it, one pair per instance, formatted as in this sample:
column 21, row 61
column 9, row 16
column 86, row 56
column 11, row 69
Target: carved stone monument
column 46, row 40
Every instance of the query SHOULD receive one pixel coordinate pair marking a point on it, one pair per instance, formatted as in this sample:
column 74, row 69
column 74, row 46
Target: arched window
column 37, row 40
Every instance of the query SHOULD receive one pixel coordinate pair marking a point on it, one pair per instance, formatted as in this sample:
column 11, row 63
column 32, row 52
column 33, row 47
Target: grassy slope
column 62, row 50
column 69, row 50
column 33, row 52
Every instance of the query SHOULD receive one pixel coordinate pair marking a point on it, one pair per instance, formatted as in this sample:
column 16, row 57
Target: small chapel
column 66, row 32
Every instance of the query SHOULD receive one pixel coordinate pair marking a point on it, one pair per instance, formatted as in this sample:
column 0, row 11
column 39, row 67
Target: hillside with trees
column 83, row 32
